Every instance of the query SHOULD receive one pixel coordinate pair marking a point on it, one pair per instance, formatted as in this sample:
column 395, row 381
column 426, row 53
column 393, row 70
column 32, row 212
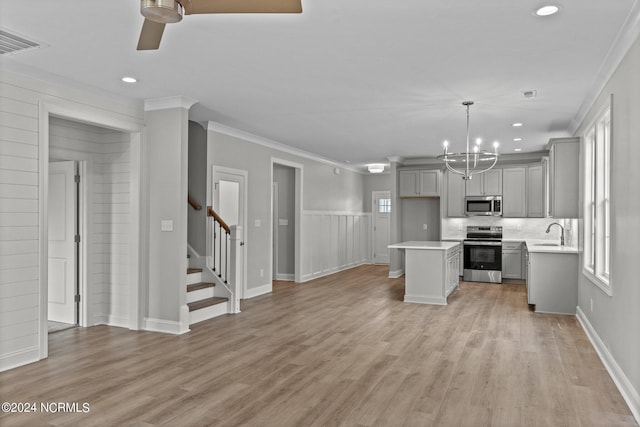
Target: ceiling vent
column 12, row 44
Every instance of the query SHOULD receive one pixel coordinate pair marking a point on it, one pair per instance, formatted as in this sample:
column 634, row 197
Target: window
column 384, row 205
column 597, row 218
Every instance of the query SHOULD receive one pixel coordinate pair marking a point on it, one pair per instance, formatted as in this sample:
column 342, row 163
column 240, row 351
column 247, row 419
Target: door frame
column 374, row 214
column 274, row 224
column 103, row 118
column 298, row 193
column 80, row 249
column 245, row 231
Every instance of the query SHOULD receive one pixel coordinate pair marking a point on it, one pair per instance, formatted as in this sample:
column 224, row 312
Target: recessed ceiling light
column 547, row 10
column 517, row 139
column 516, row 125
column 128, row 79
column 517, row 149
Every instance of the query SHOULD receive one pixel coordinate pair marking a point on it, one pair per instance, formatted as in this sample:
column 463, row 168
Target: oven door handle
column 482, row 243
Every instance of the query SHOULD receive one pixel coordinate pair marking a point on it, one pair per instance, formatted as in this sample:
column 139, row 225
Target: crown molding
column 628, row 34
column 168, row 102
column 266, row 142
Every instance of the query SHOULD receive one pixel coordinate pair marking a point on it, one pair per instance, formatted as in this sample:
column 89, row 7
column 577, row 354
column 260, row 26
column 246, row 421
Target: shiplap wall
column 337, row 241
column 108, row 166
column 20, row 101
column 19, row 248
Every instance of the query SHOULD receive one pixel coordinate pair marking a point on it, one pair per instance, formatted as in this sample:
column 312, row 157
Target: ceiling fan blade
column 151, row 35
column 241, row 6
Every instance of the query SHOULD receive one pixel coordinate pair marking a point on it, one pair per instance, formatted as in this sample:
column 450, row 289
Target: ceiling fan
column 158, row 13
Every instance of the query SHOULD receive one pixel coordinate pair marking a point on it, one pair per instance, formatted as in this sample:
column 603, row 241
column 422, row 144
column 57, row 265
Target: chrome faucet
column 561, row 232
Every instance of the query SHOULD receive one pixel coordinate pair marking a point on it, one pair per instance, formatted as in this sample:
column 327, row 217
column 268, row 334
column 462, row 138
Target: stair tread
column 196, row 305
column 197, row 286
column 194, row 270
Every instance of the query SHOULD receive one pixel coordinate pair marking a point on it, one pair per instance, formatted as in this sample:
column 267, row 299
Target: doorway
column 229, row 201
column 284, row 222
column 64, row 246
column 381, row 213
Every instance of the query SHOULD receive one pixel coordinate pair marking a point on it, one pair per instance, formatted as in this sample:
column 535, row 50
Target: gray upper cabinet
column 419, row 183
column 455, row 195
column 514, row 192
column 430, row 183
column 536, row 191
column 485, row 184
column 564, row 157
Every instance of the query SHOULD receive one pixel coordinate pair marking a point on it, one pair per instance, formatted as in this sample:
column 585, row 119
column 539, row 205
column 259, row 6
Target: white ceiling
column 349, row 80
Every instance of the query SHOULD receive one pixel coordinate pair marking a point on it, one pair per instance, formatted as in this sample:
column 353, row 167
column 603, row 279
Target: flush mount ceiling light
column 516, row 125
column 547, row 10
column 517, row 139
column 375, row 168
column 128, row 79
column 475, row 162
column 517, row 150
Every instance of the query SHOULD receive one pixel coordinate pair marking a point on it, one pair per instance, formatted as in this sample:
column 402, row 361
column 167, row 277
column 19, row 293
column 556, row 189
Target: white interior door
column 62, row 230
column 229, row 190
column 381, row 206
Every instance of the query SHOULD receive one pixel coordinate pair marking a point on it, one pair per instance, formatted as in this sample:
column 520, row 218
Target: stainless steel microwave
column 483, row 205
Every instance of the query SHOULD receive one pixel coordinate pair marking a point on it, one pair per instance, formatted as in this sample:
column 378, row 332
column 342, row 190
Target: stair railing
column 225, row 249
column 193, row 203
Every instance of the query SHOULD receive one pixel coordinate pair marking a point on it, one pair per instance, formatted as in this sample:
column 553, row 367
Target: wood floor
column 341, row 350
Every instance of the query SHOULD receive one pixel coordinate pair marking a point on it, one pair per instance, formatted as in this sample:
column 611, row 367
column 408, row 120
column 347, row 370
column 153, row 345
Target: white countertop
column 537, row 245
column 424, row 245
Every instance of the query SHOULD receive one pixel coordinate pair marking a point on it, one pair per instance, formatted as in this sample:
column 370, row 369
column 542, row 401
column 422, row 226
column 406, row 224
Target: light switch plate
column 283, row 221
column 257, row 223
column 166, row 225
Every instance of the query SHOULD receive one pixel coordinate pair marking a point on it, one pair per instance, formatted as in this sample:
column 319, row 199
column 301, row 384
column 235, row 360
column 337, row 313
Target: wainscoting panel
column 334, row 241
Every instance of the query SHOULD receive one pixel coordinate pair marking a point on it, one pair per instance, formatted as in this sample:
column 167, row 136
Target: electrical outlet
column 261, row 272
column 425, row 226
column 166, row 225
column 257, row 223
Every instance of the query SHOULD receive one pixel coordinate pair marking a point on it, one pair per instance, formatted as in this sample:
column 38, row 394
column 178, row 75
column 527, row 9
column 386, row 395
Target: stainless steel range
column 483, row 254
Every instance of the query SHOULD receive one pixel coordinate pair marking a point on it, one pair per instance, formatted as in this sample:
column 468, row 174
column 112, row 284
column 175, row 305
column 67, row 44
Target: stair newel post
column 235, row 244
column 219, row 250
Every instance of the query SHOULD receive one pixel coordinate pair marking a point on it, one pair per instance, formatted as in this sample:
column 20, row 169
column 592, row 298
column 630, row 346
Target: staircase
column 201, row 299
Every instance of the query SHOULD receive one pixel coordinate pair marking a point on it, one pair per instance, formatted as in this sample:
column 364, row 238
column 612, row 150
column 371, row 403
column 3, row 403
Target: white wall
column 167, row 154
column 21, row 201
column 323, row 191
column 197, row 220
column 616, row 319
column 107, row 153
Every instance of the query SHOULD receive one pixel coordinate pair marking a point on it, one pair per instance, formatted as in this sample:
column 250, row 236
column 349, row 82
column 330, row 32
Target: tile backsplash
column 514, row 228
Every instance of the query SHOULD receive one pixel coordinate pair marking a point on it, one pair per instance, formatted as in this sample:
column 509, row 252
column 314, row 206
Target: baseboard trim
column 425, row 300
column 629, row 393
column 318, row 275
column 19, row 358
column 260, row 290
column 285, row 277
column 164, row 326
column 396, row 273
column 120, row 322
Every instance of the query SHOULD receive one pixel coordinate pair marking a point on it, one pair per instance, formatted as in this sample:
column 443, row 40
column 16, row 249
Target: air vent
column 11, row 44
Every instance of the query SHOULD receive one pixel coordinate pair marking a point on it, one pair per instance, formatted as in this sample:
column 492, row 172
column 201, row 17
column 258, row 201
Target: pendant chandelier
column 470, row 162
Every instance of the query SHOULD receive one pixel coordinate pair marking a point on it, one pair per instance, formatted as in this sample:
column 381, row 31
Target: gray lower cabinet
column 512, row 261
column 552, row 282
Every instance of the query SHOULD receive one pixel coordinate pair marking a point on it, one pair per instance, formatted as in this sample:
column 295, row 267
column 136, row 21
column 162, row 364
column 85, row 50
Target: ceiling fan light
column 162, row 11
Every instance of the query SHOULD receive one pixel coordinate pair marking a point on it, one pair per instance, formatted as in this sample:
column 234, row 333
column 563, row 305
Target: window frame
column 597, row 138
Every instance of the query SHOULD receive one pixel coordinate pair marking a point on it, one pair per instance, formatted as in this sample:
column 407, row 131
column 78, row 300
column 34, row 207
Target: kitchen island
column 431, row 270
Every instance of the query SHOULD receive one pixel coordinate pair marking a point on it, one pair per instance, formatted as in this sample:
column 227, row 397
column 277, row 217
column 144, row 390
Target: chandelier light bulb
column 475, row 149
column 496, row 145
column 445, row 143
column 478, row 141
